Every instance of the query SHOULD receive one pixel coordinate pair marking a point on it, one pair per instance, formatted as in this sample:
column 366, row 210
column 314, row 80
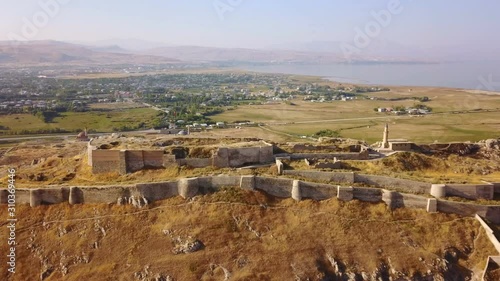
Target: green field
column 72, row 121
column 457, row 116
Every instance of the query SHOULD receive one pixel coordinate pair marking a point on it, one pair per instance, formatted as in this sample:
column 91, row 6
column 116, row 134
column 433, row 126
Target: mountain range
column 54, row 52
column 144, row 52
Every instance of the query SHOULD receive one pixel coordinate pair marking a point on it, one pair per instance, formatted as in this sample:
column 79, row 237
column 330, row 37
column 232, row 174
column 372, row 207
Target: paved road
column 62, row 136
column 337, row 120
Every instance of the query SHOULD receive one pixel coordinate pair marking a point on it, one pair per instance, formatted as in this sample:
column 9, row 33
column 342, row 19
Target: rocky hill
column 54, row 52
column 245, row 235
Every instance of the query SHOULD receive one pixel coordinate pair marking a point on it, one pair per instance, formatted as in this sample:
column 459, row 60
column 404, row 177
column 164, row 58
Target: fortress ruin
column 126, row 161
column 109, row 156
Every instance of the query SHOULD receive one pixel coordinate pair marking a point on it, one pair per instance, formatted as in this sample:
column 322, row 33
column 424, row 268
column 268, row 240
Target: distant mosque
column 394, row 144
column 83, row 136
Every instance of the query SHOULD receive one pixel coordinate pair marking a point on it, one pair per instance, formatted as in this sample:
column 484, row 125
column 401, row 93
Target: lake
column 466, row 75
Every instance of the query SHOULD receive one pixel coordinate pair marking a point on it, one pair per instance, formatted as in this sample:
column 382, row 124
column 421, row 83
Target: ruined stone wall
column 400, row 146
column 266, row 154
column 280, row 166
column 90, row 150
column 170, row 131
column 340, row 156
column 125, row 161
column 489, row 232
column 414, row 201
column 221, row 158
column 309, row 147
column 237, row 157
column 134, row 160
column 246, row 155
column 274, row 186
column 490, row 212
column 496, row 187
column 195, row 162
column 100, row 194
column 400, row 184
column 322, row 176
column 212, row 184
column 317, row 191
column 493, row 214
column 470, row 191
column 464, row 209
column 278, row 187
column 328, row 165
column 492, row 264
column 53, row 195
column 367, row 194
column 105, row 161
column 169, row 160
column 153, row 158
column 221, row 181
column 155, row 191
column 22, row 196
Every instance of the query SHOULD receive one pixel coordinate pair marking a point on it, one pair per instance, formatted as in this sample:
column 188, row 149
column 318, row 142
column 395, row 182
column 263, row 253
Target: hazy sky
column 252, row 23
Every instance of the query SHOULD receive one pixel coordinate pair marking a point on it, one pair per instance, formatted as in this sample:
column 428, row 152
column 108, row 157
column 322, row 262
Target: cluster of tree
column 129, row 127
column 42, row 131
column 359, row 89
column 422, row 99
column 327, row 133
column 45, row 116
column 424, row 107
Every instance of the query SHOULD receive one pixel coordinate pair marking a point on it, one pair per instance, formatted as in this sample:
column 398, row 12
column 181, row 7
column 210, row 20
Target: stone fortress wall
column 394, row 192
column 493, row 262
column 143, row 193
column 129, row 161
column 278, row 187
column 467, row 191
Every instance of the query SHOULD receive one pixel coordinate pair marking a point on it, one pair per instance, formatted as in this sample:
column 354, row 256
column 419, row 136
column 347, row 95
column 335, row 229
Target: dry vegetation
column 459, row 116
column 246, row 236
column 103, row 120
column 65, row 162
column 448, row 169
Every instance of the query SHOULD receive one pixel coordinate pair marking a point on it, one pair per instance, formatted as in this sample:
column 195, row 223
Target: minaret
column 385, row 141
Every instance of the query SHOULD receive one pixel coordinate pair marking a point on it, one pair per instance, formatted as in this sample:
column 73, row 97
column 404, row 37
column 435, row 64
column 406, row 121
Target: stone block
column 247, row 182
column 35, row 198
column 432, row 205
column 296, row 193
column 345, row 193
column 438, row 190
column 280, row 166
column 75, row 195
column 188, row 188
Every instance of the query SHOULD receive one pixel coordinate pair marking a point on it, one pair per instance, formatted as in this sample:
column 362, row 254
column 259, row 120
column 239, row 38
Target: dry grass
column 252, row 242
column 71, row 121
column 65, row 163
column 356, row 119
column 452, row 169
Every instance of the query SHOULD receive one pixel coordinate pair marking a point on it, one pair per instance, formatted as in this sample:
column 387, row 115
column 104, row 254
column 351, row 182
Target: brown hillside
column 246, row 236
